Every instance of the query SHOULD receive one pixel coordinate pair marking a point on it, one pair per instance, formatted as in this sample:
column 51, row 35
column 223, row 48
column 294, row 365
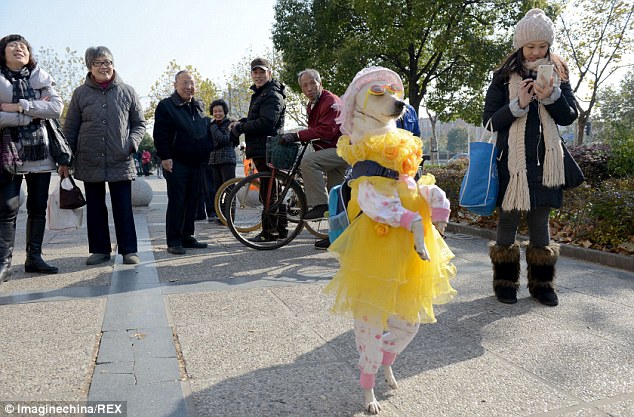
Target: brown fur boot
column 541, row 273
column 506, row 271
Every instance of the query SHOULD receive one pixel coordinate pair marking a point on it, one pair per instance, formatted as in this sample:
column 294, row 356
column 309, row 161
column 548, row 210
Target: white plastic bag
column 62, row 219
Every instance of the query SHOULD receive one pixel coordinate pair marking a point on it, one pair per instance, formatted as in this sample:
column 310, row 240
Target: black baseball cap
column 260, row 63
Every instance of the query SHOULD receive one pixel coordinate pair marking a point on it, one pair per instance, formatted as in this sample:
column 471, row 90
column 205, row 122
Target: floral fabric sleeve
column 384, row 208
column 437, row 200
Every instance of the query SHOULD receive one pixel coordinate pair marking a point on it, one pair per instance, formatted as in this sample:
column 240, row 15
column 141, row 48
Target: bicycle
column 284, row 201
column 222, row 193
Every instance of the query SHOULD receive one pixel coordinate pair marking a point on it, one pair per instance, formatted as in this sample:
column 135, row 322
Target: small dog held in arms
column 394, row 263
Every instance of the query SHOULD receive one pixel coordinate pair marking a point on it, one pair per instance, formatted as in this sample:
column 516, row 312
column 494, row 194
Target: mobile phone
column 544, row 74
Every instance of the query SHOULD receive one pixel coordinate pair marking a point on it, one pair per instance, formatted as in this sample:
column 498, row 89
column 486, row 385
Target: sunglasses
column 379, row 90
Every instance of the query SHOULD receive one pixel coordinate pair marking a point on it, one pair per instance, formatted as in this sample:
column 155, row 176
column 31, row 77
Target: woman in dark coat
column 525, row 111
column 104, row 126
column 222, row 159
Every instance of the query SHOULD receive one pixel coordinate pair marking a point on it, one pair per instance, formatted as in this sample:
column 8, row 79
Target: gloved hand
column 440, row 226
column 289, row 138
column 236, row 128
column 419, row 238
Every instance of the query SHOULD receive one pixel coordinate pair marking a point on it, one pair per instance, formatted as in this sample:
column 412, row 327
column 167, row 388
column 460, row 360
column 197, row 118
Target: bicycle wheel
column 222, row 194
column 317, row 228
column 280, row 209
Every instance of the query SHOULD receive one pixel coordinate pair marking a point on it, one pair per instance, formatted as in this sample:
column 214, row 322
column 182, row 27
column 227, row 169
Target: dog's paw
column 389, row 377
column 370, row 403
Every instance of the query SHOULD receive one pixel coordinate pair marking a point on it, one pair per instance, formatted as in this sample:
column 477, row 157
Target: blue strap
column 369, row 168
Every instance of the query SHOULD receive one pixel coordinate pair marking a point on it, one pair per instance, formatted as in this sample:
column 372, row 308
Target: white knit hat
column 533, row 27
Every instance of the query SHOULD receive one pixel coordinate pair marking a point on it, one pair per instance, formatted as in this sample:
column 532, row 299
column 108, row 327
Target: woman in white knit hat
column 525, row 111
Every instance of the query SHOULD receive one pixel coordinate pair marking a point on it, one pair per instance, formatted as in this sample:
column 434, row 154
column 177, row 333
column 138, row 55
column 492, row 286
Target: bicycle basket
column 280, row 155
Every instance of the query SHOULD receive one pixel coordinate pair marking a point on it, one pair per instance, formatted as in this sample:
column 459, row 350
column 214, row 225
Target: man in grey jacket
column 182, row 143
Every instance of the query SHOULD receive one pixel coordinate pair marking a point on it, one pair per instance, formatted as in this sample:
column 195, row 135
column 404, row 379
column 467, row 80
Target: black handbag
column 60, row 149
column 71, row 199
column 572, row 173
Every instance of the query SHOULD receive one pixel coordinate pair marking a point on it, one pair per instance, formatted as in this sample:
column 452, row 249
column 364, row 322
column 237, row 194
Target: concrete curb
column 613, row 260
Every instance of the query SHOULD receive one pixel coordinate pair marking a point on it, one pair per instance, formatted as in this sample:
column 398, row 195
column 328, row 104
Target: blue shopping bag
column 479, row 189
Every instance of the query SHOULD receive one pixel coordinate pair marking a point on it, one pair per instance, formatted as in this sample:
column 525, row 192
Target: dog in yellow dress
column 394, row 263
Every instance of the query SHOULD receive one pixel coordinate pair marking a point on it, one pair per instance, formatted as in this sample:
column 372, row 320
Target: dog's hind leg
column 370, row 403
column 389, row 376
column 388, row 360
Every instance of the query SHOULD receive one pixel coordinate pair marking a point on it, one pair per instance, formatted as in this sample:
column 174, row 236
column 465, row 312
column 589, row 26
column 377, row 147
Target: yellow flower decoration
column 397, row 149
column 390, row 153
column 381, row 229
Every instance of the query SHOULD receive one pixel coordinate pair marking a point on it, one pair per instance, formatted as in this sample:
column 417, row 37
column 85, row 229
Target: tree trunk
column 582, row 120
column 433, row 142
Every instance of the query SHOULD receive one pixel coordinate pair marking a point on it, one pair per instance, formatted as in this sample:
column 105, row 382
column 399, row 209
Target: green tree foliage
column 457, row 139
column 617, row 118
column 596, row 35
column 443, row 48
column 207, row 90
column 147, row 144
column 68, row 71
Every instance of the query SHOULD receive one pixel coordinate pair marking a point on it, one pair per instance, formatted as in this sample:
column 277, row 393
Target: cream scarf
column 517, row 195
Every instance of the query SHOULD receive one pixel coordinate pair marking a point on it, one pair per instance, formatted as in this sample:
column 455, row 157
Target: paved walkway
column 229, row 331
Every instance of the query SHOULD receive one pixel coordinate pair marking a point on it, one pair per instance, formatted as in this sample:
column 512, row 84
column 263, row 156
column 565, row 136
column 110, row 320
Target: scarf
column 517, row 196
column 31, row 137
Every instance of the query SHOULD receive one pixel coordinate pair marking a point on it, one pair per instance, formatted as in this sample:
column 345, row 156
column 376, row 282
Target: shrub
column 621, row 162
column 611, row 210
column 599, row 214
column 593, row 161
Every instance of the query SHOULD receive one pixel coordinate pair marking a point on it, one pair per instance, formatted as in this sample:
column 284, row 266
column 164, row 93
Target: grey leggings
column 538, row 228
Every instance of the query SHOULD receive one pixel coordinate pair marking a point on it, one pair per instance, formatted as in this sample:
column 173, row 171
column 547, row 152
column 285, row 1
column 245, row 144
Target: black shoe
column 322, row 244
column 546, row 296
column 5, row 272
column 97, row 258
column 194, row 244
column 176, row 250
column 262, row 238
column 316, row 213
column 37, row 265
column 506, row 295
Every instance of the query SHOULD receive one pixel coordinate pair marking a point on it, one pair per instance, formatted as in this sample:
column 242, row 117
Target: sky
column 145, row 35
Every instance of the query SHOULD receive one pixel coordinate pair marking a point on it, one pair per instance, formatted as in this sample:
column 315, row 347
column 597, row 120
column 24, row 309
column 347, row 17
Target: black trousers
column 36, row 202
column 97, row 217
column 183, row 191
column 276, row 223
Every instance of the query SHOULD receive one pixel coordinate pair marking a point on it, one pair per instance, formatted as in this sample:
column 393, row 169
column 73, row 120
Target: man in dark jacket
column 266, row 118
column 182, row 143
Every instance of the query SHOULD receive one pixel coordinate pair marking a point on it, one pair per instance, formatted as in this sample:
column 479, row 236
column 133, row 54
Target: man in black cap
column 265, row 118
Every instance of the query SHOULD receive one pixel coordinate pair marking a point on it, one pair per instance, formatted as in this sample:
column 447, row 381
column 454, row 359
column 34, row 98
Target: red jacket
column 321, row 122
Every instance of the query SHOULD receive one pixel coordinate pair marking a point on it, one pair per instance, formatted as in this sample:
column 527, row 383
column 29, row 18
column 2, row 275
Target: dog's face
column 377, row 106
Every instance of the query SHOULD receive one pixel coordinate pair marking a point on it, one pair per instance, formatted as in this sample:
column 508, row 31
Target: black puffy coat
column 496, row 107
column 266, row 117
column 180, row 131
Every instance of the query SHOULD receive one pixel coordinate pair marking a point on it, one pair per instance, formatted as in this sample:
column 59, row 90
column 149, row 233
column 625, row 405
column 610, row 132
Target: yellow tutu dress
column 380, row 272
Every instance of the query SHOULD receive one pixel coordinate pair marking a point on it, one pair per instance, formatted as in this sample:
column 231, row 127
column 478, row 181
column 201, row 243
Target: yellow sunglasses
column 379, row 90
